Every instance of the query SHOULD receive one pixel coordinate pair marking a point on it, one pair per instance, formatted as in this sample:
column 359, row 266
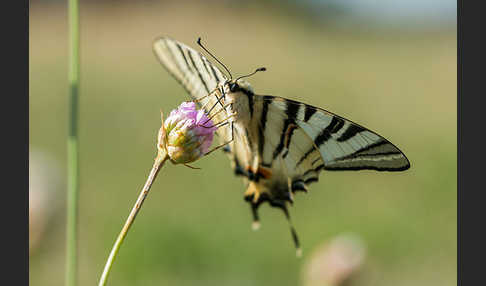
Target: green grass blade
column 72, row 147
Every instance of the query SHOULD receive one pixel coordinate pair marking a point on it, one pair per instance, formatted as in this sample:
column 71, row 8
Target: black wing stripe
column 326, row 132
column 285, row 153
column 251, row 100
column 311, row 180
column 305, row 156
column 371, row 146
column 309, row 111
column 261, row 130
column 183, row 55
column 350, row 132
column 368, row 167
column 315, row 170
column 172, row 55
column 299, row 185
column 203, row 61
column 291, row 111
column 198, row 72
column 316, row 160
column 352, row 156
column 320, row 167
column 334, row 126
column 339, row 125
column 308, row 172
column 214, row 73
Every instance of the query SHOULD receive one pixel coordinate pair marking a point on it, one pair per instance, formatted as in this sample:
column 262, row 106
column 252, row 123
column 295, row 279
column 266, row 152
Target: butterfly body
column 265, row 177
column 279, row 146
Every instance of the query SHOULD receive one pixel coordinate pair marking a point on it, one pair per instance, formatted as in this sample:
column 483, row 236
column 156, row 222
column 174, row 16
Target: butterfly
column 279, row 146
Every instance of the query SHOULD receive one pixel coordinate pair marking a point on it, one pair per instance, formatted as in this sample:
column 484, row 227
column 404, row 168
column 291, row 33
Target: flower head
column 186, row 134
column 335, row 262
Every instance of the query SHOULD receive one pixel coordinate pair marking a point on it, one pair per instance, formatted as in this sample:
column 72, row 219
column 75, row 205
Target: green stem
column 159, row 162
column 72, row 147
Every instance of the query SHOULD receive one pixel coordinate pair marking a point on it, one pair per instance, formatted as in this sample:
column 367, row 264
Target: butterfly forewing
column 197, row 75
column 333, row 141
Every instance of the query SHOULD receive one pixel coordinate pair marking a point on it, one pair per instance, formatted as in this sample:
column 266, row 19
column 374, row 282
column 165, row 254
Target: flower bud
column 186, row 134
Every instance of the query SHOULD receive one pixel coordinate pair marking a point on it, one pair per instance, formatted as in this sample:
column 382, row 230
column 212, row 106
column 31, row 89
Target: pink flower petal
column 190, row 133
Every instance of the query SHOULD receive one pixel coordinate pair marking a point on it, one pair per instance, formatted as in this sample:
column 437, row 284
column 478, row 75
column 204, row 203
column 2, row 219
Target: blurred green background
column 397, row 78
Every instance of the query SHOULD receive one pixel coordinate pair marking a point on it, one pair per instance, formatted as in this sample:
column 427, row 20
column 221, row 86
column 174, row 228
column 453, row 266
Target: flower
column 186, row 134
column 335, row 262
column 184, row 137
column 45, row 182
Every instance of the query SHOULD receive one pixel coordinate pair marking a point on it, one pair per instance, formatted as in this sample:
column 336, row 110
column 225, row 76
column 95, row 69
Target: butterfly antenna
column 201, row 45
column 257, row 70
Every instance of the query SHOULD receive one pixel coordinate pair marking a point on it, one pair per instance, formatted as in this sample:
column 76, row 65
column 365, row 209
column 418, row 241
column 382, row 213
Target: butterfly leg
column 224, row 121
column 256, row 220
column 224, row 144
column 217, row 112
column 197, row 100
column 192, row 167
column 218, row 100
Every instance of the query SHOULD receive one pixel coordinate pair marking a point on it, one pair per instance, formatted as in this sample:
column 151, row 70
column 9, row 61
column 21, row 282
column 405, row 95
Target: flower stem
column 72, row 146
column 159, row 162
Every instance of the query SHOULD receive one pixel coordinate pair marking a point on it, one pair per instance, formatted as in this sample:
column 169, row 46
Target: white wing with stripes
column 196, row 73
column 201, row 79
column 337, row 143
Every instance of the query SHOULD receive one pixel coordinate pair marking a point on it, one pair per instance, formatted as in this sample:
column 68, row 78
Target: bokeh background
column 388, row 65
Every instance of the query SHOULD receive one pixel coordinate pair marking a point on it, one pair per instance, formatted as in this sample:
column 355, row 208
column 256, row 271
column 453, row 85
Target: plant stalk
column 159, row 162
column 72, row 146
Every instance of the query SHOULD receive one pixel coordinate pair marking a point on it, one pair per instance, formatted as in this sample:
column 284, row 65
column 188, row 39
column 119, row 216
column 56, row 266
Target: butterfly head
column 239, row 86
column 233, row 86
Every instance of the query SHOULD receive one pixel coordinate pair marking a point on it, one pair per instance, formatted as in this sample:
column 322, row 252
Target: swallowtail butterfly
column 279, row 146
